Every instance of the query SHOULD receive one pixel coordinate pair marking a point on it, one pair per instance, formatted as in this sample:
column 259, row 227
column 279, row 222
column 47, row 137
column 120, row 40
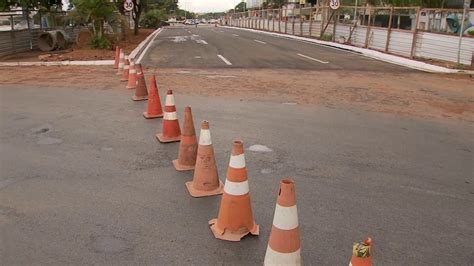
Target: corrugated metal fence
column 359, row 27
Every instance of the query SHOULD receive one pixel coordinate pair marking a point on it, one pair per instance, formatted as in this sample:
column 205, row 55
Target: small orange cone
column 154, row 101
column 117, row 57
column 235, row 219
column 205, row 180
column 141, row 92
column 121, row 63
column 126, row 69
column 171, row 131
column 188, row 145
column 132, row 76
column 362, row 253
column 284, row 246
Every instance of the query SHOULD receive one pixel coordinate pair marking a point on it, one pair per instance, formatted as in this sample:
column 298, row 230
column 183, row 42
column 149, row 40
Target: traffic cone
column 154, row 102
column 235, row 219
column 171, row 131
column 126, row 69
column 132, row 76
column 362, row 253
column 205, row 180
column 141, row 92
column 117, row 57
column 188, row 146
column 121, row 63
column 284, row 246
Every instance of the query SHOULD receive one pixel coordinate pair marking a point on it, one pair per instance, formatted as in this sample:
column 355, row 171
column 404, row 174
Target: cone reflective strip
column 286, row 218
column 237, row 161
column 236, row 188
column 170, row 116
column 169, row 100
column 121, row 60
column 205, row 137
column 277, row 258
column 126, row 67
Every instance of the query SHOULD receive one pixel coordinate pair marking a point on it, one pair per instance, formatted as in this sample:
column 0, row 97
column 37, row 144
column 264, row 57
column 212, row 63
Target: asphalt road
column 216, row 47
column 84, row 181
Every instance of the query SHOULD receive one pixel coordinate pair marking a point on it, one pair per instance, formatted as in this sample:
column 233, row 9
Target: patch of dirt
column 414, row 94
column 80, row 53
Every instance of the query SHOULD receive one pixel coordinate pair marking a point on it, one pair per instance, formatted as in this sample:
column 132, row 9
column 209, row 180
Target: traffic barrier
column 126, row 68
column 362, row 253
column 132, row 76
column 284, row 245
column 154, row 102
column 116, row 57
column 141, row 92
column 171, row 131
column 206, row 180
column 121, row 63
column 188, row 145
column 235, row 219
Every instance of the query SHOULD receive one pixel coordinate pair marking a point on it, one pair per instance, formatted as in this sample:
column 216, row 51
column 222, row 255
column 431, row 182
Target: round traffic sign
column 334, row 4
column 128, row 5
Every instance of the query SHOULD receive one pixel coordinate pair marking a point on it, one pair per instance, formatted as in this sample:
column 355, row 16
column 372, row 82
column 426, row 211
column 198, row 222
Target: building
column 254, row 3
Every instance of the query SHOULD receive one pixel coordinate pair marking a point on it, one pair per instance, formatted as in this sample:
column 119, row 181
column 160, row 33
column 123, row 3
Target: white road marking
column 235, row 35
column 201, row 41
column 224, row 59
column 260, row 42
column 314, row 59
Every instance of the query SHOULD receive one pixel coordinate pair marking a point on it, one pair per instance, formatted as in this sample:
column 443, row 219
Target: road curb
column 397, row 60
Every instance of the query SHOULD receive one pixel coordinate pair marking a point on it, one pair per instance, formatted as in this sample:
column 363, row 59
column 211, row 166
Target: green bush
column 100, row 42
column 153, row 18
column 326, row 37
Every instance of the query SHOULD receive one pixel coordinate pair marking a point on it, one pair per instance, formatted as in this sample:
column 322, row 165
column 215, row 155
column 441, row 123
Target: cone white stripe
column 126, row 67
column 237, row 161
column 236, row 188
column 133, row 71
column 126, row 57
column 286, row 218
column 169, row 100
column 121, row 65
column 170, row 116
column 205, row 137
column 273, row 257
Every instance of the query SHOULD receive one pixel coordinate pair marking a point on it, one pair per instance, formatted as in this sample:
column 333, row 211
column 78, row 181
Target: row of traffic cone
column 235, row 217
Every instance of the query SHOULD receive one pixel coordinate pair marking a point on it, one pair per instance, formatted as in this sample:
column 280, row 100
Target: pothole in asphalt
column 49, row 141
column 41, row 129
column 109, row 244
column 259, row 148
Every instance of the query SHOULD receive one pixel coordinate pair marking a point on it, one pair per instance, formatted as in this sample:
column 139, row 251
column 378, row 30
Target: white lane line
column 235, row 35
column 201, row 41
column 314, row 59
column 260, row 42
column 224, row 59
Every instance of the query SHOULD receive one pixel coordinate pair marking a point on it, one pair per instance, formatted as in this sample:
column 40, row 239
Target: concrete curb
column 137, row 51
column 397, row 60
column 150, row 40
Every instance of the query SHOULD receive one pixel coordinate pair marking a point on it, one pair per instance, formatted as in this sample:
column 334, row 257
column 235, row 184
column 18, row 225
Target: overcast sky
column 207, row 5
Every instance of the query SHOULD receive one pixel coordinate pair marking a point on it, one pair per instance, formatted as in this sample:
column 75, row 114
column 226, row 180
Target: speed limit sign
column 334, row 4
column 128, row 5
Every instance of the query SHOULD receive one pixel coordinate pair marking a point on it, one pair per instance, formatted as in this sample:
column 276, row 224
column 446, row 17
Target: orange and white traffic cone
column 154, row 102
column 121, row 63
column 117, row 57
column 188, row 145
column 171, row 131
column 132, row 76
column 284, row 246
column 206, row 181
column 141, row 92
column 235, row 219
column 362, row 253
column 126, row 69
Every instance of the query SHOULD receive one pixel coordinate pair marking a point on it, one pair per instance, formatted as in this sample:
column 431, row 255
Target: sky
column 200, row 6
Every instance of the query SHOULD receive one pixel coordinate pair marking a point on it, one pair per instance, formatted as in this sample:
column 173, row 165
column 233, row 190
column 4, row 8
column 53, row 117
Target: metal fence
column 19, row 30
column 410, row 32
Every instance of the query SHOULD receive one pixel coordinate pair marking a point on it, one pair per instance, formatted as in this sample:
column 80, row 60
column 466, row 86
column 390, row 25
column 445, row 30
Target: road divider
column 314, row 59
column 225, row 60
